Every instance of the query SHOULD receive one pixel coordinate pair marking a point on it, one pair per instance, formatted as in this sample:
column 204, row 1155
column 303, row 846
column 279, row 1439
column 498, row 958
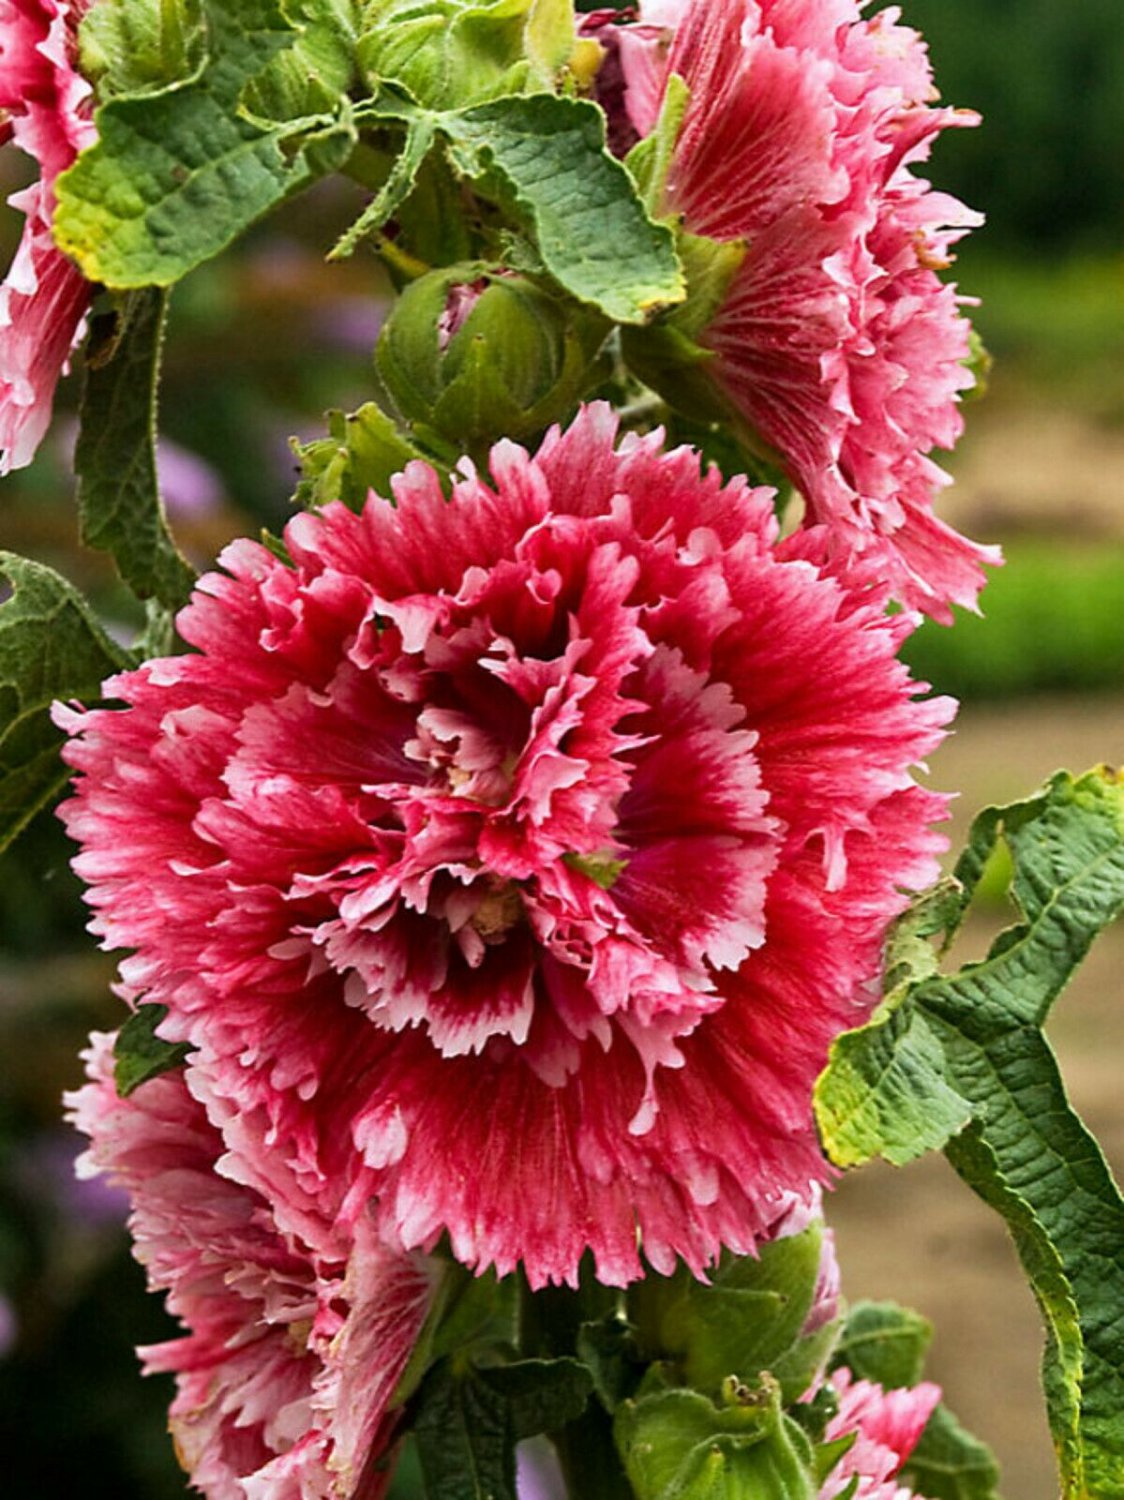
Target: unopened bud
column 474, row 353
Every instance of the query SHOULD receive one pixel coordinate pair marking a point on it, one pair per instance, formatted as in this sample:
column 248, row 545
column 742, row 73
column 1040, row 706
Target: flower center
column 498, row 912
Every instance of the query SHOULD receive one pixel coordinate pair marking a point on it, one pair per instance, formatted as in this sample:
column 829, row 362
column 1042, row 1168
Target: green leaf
column 450, row 53
column 119, row 503
column 541, row 1395
column 397, row 187
column 965, row 1053
column 544, row 160
column 950, row 1464
column 468, row 1315
column 176, row 175
column 650, row 159
column 549, row 38
column 308, row 77
column 362, row 453
column 137, row 46
column 469, row 1420
column 50, row 647
column 608, row 1350
column 884, row 1343
column 139, row 1054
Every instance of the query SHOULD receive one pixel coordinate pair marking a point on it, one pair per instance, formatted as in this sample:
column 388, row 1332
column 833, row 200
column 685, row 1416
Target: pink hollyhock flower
column 294, row 1346
column 43, row 302
column 886, row 1424
column 836, row 340
column 512, row 860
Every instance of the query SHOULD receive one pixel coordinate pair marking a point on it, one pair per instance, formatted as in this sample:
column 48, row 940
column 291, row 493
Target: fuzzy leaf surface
column 138, row 46
column 960, row 1061
column 50, row 647
column 176, row 174
column 119, row 505
column 677, row 1444
column 452, row 53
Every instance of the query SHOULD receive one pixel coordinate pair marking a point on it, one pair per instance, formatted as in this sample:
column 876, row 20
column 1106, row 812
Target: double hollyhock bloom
column 296, row 1336
column 43, row 302
column 510, row 861
column 837, row 340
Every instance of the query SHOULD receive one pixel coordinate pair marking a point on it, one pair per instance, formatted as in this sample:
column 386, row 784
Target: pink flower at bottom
column 43, row 302
column 293, row 1347
column 512, row 860
column 886, row 1424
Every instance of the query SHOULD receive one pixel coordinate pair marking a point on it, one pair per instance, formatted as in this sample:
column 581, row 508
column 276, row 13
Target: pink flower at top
column 512, row 860
column 43, row 302
column 294, row 1346
column 886, row 1424
column 836, row 340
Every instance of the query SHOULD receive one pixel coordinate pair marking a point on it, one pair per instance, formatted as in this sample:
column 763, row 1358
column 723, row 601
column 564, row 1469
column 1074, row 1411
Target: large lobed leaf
column 50, row 647
column 960, row 1062
column 178, row 172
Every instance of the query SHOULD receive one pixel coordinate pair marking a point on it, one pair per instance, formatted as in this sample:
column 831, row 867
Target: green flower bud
column 473, row 353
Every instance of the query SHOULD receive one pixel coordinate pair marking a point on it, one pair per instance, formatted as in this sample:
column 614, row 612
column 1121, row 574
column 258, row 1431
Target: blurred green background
column 263, row 341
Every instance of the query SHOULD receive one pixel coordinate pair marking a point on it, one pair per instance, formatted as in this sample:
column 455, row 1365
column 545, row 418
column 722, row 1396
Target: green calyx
column 475, row 353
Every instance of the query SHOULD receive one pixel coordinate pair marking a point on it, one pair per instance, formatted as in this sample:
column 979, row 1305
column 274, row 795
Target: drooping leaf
column 175, row 175
column 470, row 1418
column 139, row 1054
column 544, row 161
column 119, row 503
column 950, row 1464
column 50, row 647
column 960, row 1061
column 399, row 182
